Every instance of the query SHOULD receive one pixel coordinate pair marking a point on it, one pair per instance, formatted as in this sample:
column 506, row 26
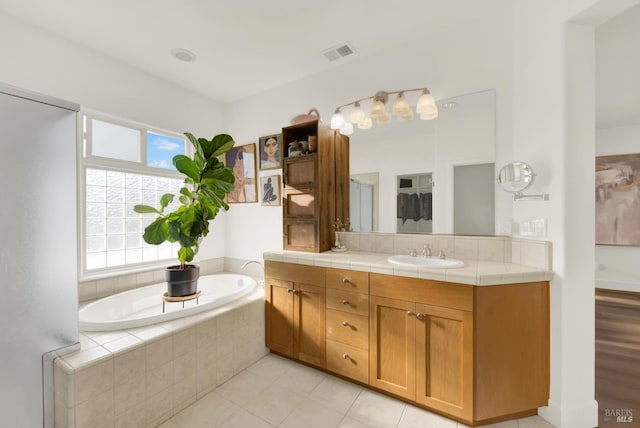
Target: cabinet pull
column 291, row 290
column 345, row 356
column 345, row 302
column 420, row 316
column 346, row 280
column 345, row 324
column 410, row 313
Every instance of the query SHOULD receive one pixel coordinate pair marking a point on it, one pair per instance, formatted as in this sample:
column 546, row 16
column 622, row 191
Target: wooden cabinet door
column 392, row 346
column 444, row 359
column 309, row 324
column 279, row 315
column 300, row 172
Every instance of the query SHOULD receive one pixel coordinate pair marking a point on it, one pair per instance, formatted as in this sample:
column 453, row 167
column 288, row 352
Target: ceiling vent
column 339, row 51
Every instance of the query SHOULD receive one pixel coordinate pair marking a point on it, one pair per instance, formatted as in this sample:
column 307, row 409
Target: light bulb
column 366, row 123
column 383, row 118
column 347, row 128
column 337, row 120
column 357, row 115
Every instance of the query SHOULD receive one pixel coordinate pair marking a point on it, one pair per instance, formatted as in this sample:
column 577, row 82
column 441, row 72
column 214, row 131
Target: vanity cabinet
column 422, row 341
column 295, row 311
column 476, row 353
column 316, row 188
column 348, row 323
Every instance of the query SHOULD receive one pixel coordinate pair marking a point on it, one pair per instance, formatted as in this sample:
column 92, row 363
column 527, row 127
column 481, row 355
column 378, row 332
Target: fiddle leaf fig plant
column 207, row 181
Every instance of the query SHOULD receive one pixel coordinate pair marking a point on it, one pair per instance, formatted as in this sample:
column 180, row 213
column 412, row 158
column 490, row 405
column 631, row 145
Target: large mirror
column 457, row 152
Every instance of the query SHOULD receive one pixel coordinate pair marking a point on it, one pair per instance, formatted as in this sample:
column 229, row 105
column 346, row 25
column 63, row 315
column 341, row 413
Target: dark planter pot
column 182, row 282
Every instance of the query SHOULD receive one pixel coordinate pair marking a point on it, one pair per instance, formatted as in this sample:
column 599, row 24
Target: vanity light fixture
column 426, row 108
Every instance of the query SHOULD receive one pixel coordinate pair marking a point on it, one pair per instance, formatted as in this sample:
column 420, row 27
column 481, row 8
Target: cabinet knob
column 345, row 324
column 346, row 280
column 420, row 316
column 345, row 356
column 345, row 302
column 410, row 313
column 291, row 290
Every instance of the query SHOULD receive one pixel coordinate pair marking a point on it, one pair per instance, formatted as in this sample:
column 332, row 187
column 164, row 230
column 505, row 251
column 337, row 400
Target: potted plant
column 207, row 181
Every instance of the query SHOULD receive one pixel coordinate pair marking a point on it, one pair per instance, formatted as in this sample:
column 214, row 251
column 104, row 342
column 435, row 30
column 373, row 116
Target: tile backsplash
column 487, row 248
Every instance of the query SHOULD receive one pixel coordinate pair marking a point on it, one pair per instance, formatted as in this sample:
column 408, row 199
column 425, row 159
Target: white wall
column 41, row 62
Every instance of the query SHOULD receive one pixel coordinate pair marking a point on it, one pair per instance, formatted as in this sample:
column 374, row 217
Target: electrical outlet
column 535, row 227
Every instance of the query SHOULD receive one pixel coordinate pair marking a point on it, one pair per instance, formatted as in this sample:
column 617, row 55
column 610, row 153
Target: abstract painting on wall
column 618, row 199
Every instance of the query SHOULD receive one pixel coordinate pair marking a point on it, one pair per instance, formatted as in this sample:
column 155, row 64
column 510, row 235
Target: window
column 123, row 164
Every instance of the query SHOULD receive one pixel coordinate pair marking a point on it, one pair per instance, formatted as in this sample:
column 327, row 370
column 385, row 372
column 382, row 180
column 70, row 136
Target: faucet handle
column 426, row 250
column 441, row 255
column 413, row 252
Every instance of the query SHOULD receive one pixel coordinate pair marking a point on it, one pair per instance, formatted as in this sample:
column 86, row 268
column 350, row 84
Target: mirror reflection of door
column 473, row 199
column 414, row 203
column 361, row 206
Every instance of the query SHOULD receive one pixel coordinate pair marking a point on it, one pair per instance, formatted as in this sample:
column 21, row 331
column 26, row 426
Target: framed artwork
column 618, row 200
column 242, row 160
column 270, row 185
column 270, row 151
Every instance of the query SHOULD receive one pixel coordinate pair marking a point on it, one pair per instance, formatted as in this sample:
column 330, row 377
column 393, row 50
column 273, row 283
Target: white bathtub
column 143, row 306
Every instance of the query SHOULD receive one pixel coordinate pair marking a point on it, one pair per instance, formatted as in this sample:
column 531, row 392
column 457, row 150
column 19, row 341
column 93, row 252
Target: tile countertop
column 476, row 272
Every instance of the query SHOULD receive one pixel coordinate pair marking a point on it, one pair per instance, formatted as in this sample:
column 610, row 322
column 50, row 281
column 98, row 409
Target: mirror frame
column 516, row 177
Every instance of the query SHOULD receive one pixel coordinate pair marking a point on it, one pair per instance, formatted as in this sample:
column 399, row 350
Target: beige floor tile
column 348, row 422
column 301, row 379
column 414, row 417
column 274, row 404
column 244, row 419
column 243, row 387
column 169, row 424
column 312, row 414
column 336, row 394
column 376, row 410
column 210, row 411
column 271, row 366
column 533, row 422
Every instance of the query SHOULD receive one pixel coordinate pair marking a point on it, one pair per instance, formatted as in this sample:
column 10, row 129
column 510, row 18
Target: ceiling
column 242, row 47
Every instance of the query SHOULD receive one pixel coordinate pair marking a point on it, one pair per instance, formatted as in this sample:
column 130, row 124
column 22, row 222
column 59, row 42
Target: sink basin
column 430, row 262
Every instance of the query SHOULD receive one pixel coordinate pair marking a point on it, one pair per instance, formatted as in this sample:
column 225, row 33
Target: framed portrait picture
column 270, row 185
column 242, row 160
column 618, row 200
column 270, row 151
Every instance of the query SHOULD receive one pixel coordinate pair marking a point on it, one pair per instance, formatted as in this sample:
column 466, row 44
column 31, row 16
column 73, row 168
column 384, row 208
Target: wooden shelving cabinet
column 316, row 187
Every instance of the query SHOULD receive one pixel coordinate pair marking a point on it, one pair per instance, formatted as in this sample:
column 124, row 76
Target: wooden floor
column 618, row 358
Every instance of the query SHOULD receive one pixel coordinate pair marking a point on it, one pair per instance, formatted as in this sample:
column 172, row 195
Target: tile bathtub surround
column 98, row 288
column 486, row 248
column 144, row 376
column 264, row 396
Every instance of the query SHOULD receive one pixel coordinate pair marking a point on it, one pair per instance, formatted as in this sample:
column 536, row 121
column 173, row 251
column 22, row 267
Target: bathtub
column 144, row 306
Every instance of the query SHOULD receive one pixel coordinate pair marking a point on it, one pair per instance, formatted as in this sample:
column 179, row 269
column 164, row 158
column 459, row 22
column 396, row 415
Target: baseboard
column 584, row 416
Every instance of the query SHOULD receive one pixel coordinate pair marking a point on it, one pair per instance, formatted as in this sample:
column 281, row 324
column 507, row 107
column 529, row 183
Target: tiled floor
column 276, row 392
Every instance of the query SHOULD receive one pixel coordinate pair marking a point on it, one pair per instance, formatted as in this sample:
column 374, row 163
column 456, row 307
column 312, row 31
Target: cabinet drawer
column 345, row 327
column 306, row 274
column 348, row 361
column 356, row 303
column 348, row 280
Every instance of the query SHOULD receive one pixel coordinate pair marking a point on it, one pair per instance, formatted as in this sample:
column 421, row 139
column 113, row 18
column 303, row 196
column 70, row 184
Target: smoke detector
column 339, row 51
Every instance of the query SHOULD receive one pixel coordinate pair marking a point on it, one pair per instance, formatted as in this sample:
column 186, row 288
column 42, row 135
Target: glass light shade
column 337, row 120
column 357, row 115
column 366, row 123
column 425, row 102
column 383, row 118
column 429, row 112
column 378, row 110
column 401, row 107
column 347, row 128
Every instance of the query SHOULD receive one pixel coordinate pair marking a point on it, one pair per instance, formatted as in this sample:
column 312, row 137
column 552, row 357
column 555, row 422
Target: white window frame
column 87, row 161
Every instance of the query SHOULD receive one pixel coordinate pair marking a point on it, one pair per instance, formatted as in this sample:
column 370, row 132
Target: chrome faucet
column 441, row 255
column 426, row 250
column 244, row 265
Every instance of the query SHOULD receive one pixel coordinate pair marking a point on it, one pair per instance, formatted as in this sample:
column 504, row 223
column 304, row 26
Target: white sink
column 430, row 262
